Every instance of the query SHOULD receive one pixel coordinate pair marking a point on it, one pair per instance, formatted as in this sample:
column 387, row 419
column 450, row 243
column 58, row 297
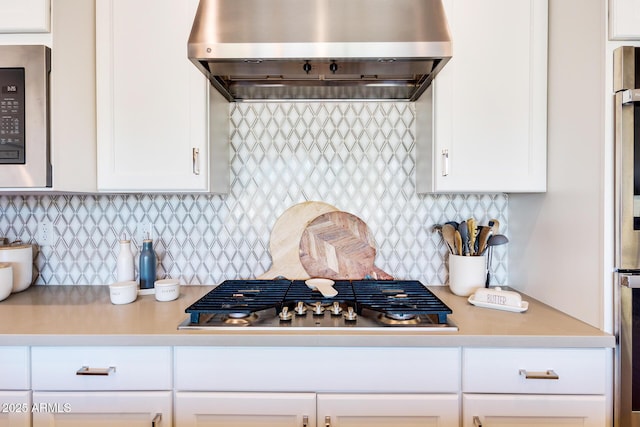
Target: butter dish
column 498, row 299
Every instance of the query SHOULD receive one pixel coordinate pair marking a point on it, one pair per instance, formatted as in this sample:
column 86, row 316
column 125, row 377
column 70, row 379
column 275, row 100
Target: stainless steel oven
column 24, row 116
column 627, row 235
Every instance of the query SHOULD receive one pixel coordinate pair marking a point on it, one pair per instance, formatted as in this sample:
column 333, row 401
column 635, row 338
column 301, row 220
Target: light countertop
column 84, row 315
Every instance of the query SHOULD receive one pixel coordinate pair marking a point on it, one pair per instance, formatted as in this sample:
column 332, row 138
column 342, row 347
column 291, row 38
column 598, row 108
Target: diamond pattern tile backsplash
column 359, row 157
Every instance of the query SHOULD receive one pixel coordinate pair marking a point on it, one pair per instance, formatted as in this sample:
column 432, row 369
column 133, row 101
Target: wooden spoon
column 483, row 238
column 448, row 234
column 458, row 239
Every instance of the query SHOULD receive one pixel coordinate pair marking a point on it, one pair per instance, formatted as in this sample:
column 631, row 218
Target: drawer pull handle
column 85, row 370
column 327, row 421
column 476, row 421
column 156, row 420
column 305, row 421
column 546, row 375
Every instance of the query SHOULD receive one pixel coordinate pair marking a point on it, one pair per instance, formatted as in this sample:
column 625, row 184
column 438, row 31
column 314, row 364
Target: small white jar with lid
column 167, row 289
column 123, row 292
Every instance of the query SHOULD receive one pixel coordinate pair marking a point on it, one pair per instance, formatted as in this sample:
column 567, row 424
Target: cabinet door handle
column 476, row 421
column 155, row 422
column 85, row 370
column 327, row 421
column 196, row 161
column 445, row 161
column 546, row 375
column 305, row 421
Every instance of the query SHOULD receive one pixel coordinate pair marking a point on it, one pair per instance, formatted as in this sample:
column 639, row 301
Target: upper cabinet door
column 25, row 16
column 624, row 19
column 487, row 128
column 152, row 102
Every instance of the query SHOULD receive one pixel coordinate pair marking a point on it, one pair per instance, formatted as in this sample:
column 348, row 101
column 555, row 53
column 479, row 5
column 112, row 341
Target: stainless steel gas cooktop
column 293, row 304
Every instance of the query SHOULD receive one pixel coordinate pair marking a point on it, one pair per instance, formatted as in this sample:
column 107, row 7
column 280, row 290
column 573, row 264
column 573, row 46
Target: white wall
column 561, row 251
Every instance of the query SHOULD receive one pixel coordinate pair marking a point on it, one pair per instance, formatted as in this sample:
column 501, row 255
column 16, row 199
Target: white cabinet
column 211, row 409
column 523, row 387
column 25, row 16
column 208, row 409
column 15, row 396
column 490, row 410
column 102, row 409
column 102, row 386
column 271, row 386
column 624, row 19
column 398, row 410
column 15, row 408
column 154, row 107
column 486, row 130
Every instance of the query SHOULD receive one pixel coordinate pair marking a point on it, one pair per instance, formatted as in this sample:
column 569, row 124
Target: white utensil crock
column 466, row 274
column 21, row 259
column 6, row 280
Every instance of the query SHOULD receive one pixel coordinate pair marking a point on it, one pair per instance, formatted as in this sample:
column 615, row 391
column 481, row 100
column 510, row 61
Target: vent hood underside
column 320, row 49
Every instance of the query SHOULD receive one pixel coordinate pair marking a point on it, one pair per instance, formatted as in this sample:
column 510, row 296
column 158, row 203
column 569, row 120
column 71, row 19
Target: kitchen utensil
column 324, row 286
column 339, row 246
column 284, row 243
column 495, row 226
column 6, row 280
column 21, row 258
column 473, row 230
column 498, row 239
column 458, row 240
column 449, row 236
column 464, row 235
column 484, row 232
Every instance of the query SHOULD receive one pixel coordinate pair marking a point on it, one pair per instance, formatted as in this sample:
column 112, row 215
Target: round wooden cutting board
column 284, row 242
column 339, row 245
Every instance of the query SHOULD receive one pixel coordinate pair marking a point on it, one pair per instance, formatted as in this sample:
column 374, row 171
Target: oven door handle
column 631, row 281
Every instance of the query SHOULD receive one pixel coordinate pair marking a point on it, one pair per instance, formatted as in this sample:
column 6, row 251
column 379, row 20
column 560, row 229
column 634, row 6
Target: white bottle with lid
column 124, row 264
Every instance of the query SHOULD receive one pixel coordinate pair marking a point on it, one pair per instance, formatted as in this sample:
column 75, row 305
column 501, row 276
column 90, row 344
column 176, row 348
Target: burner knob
column 300, row 309
column 336, row 310
column 318, row 309
column 285, row 314
column 350, row 314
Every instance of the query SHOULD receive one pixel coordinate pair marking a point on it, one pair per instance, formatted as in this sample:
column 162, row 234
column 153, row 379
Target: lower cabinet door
column 489, row 410
column 15, row 408
column 211, row 409
column 392, row 410
column 102, row 409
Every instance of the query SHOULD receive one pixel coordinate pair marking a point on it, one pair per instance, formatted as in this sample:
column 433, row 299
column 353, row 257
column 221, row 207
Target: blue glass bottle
column 147, row 265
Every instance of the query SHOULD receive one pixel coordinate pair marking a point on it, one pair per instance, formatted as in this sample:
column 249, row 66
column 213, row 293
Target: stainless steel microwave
column 25, row 159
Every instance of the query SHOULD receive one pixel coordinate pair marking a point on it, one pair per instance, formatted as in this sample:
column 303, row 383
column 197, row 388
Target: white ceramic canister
column 6, row 280
column 167, row 289
column 123, row 292
column 21, row 259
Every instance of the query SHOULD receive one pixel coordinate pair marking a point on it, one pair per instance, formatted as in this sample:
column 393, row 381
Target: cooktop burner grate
column 362, row 303
column 401, row 299
column 299, row 291
column 240, row 297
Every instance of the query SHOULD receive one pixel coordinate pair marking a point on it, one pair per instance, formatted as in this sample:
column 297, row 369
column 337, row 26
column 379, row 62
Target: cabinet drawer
column 539, row 371
column 14, row 368
column 316, row 369
column 101, row 368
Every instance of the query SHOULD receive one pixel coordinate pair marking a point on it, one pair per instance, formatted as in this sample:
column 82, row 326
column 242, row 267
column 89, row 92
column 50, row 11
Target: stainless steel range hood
column 320, row 49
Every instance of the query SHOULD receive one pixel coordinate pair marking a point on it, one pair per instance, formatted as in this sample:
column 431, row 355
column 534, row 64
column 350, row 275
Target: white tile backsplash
column 359, row 157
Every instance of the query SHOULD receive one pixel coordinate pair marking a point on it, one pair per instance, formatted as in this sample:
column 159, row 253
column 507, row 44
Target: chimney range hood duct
column 320, row 49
